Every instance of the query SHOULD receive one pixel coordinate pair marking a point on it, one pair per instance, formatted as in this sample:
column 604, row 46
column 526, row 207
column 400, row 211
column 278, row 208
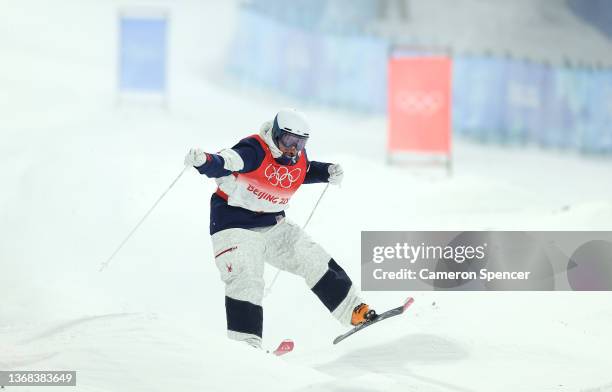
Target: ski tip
column 286, row 346
column 407, row 304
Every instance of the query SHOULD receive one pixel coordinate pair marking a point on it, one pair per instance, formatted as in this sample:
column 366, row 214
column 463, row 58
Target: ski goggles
column 289, row 140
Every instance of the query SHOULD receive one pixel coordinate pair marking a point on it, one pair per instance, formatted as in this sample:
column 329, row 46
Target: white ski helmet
column 293, row 122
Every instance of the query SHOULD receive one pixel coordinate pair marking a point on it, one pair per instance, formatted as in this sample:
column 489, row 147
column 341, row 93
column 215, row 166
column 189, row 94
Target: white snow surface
column 78, row 171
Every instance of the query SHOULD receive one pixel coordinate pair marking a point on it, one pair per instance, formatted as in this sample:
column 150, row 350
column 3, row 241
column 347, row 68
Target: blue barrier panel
column 143, row 53
column 581, row 108
column 512, row 101
column 479, row 95
column 566, row 104
column 462, row 108
column 523, row 101
column 597, row 131
column 554, row 111
column 604, row 120
column 334, row 70
column 352, row 73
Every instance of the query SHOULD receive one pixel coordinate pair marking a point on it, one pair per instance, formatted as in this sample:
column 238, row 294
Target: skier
column 256, row 179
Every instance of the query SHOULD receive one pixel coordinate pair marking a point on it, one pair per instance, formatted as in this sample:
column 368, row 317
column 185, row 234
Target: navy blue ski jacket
column 224, row 216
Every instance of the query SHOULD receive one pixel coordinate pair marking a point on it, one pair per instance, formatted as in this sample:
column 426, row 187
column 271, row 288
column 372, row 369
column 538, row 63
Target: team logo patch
column 281, row 175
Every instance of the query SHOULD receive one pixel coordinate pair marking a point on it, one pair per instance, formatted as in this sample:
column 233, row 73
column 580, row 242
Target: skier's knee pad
column 333, row 287
column 243, row 318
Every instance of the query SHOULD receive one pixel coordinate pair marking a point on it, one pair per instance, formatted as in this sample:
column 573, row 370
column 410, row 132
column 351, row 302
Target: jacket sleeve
column 244, row 157
column 317, row 172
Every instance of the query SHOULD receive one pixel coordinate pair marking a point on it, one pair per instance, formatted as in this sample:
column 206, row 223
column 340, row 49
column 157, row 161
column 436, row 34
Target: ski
column 285, row 347
column 385, row 315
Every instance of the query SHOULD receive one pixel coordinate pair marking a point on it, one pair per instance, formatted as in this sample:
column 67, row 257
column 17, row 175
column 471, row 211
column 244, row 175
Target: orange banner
column 419, row 104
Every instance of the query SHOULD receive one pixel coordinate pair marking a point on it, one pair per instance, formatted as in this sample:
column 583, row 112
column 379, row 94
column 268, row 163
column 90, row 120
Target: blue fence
column 332, row 70
column 142, row 53
column 494, row 99
column 517, row 102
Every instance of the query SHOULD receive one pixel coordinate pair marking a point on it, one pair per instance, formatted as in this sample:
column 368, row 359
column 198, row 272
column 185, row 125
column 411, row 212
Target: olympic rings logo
column 281, row 176
column 420, row 102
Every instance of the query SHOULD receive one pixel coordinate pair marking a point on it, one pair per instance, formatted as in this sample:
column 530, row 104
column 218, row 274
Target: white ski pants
column 240, row 255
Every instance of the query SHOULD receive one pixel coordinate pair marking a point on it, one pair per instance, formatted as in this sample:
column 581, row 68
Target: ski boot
column 362, row 313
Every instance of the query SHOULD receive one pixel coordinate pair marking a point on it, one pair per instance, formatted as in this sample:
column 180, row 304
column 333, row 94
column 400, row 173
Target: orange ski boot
column 362, row 313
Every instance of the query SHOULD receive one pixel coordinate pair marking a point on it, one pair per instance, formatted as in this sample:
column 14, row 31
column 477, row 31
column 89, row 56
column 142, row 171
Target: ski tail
column 407, row 304
column 285, row 347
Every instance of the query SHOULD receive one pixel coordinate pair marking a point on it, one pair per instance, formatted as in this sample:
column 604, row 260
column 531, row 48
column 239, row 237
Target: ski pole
column 269, row 288
column 105, row 264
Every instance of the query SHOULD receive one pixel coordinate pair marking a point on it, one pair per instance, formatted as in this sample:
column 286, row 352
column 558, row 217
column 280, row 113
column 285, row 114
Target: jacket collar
column 265, row 131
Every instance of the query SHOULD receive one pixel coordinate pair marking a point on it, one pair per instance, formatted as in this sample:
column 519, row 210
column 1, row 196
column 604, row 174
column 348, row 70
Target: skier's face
column 289, row 152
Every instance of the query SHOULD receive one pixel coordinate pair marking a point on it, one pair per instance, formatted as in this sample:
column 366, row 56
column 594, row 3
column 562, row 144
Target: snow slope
column 77, row 172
